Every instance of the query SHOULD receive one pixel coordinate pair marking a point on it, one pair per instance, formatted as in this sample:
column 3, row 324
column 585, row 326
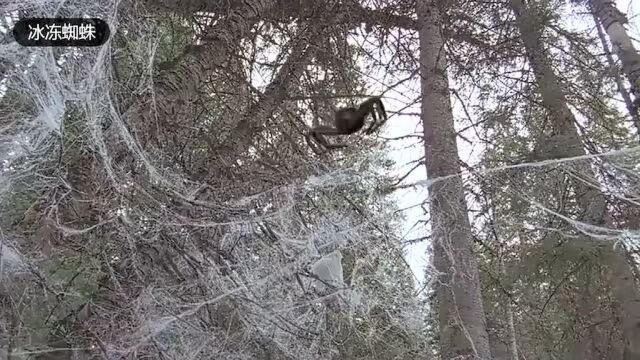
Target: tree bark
column 613, row 22
column 186, row 75
column 619, row 81
column 463, row 333
column 589, row 199
column 181, row 81
column 513, row 341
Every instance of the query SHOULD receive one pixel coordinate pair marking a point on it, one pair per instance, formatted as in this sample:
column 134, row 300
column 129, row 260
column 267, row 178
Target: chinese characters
column 61, row 32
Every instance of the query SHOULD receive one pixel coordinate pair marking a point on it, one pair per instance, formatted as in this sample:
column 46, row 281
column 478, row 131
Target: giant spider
column 347, row 121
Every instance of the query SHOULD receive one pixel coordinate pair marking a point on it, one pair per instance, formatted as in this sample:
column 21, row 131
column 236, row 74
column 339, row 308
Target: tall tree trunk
column 590, row 199
column 619, row 81
column 613, row 22
column 463, row 333
column 513, row 343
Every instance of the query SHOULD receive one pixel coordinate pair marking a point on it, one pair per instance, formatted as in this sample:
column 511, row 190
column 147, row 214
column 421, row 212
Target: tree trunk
column 626, row 294
column 463, row 333
column 613, row 20
column 513, row 342
column 619, row 81
column 590, row 200
column 186, row 75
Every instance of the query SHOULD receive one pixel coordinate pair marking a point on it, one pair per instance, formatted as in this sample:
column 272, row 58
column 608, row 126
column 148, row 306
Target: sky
column 404, row 151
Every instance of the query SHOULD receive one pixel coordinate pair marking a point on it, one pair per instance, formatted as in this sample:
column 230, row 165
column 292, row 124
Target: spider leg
column 318, row 134
column 314, row 146
column 336, row 146
column 383, row 116
column 368, row 107
column 374, row 120
column 323, row 141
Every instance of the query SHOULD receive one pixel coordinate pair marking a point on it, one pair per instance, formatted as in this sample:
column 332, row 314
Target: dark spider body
column 352, row 120
column 349, row 120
